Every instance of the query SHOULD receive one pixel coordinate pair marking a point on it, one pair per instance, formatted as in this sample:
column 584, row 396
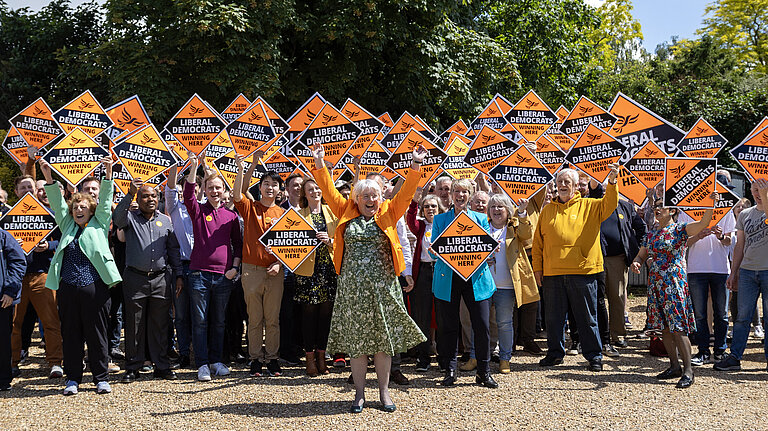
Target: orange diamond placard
column 521, row 175
column 75, row 156
column 488, row 150
column 549, row 153
column 28, row 221
column 586, row 112
column 16, row 147
column 251, row 130
column 302, row 118
column 752, row 154
column 402, row 126
column 464, row 245
column 689, row 183
column 195, row 125
column 454, row 165
column 531, row 116
column 594, row 151
column 702, row 141
column 401, row 159
column 144, row 154
column 490, row 116
column 630, row 187
column 388, row 124
column 236, row 108
column 725, row 203
column 459, row 127
column 127, row 116
column 291, row 239
column 637, row 125
column 333, row 131
column 36, row 124
column 648, row 164
column 85, row 112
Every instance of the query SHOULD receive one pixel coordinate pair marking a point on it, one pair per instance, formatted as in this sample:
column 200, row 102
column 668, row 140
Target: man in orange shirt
column 262, row 274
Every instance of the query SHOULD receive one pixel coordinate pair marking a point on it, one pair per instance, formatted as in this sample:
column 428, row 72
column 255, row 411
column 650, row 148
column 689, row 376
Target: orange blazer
column 386, row 217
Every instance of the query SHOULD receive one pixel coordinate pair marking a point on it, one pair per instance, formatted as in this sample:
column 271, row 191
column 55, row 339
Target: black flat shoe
column 595, row 365
column 129, row 377
column 550, row 361
column 486, row 380
column 165, row 374
column 684, row 382
column 669, row 373
column 357, row 409
column 450, row 378
column 389, row 408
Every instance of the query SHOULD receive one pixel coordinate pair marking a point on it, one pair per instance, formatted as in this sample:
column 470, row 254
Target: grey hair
column 366, row 185
column 478, row 194
column 501, row 199
column 443, row 179
column 571, row 173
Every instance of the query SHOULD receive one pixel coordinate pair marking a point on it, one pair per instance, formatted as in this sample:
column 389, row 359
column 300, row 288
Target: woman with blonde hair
column 369, row 316
column 82, row 271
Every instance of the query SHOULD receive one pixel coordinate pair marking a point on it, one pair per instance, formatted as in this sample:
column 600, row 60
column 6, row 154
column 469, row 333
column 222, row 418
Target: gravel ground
column 624, row 396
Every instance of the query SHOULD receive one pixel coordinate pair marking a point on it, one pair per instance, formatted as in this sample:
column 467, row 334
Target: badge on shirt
column 268, row 220
column 573, row 216
column 428, row 234
column 208, row 218
column 621, row 216
column 159, row 223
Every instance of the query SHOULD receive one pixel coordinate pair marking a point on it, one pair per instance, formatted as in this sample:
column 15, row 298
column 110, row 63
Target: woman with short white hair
column 369, row 316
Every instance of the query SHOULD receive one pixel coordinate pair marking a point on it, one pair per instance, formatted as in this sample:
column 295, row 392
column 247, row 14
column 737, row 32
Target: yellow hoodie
column 567, row 237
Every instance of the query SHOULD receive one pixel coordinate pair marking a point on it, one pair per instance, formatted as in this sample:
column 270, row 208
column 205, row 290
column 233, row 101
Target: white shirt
column 406, row 246
column 709, row 255
column 500, row 270
column 426, row 243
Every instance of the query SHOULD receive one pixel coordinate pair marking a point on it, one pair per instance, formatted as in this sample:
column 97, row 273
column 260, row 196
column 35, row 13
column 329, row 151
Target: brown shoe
column 311, row 364
column 322, row 368
column 532, row 348
column 399, row 378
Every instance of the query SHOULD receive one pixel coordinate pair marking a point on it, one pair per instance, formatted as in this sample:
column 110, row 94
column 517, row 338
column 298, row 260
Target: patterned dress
column 369, row 315
column 669, row 303
column 321, row 285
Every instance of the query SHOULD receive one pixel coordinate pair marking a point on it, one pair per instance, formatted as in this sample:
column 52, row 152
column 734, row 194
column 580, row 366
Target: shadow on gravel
column 601, row 380
column 30, row 387
column 277, row 410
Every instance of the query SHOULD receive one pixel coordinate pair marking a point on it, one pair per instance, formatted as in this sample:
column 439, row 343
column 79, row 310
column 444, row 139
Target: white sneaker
column 204, row 374
column 103, row 388
column 220, row 369
column 56, row 372
column 758, row 332
column 70, row 388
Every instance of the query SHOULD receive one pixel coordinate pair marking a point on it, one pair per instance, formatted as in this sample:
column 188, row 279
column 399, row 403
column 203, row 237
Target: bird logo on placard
column 460, row 128
column 25, row 208
column 585, row 110
column 412, row 143
column 75, row 141
column 491, row 111
column 126, row 120
column 291, row 223
column 310, row 116
column 486, row 138
column 519, row 160
column 463, row 228
column 84, row 104
column 254, row 116
column 625, row 120
column 764, row 140
column 194, row 110
column 650, row 153
column 700, row 130
column 39, row 112
column 530, row 103
column 351, row 114
column 407, row 126
column 591, row 137
column 677, row 171
column 146, row 139
column 222, row 141
column 328, row 118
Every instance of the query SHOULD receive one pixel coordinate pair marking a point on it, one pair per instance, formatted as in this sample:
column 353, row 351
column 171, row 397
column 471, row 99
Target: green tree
column 618, row 38
column 743, row 26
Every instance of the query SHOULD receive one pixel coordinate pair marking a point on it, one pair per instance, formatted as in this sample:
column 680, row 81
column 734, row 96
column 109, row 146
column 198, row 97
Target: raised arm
column 524, row 228
column 120, row 214
column 697, row 226
column 610, row 200
column 336, row 202
column 403, row 197
column 237, row 188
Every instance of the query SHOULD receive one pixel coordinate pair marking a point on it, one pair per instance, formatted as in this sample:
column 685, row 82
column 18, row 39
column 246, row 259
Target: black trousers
column 234, row 323
column 146, row 319
column 316, row 324
column 602, row 315
column 290, row 319
column 420, row 300
column 448, row 325
column 84, row 312
column 6, row 328
column 525, row 323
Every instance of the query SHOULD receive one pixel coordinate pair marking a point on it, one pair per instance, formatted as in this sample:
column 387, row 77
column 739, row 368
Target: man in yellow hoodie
column 566, row 260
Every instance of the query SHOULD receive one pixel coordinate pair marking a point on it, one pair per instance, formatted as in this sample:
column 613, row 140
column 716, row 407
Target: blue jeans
column 699, row 285
column 504, row 301
column 208, row 297
column 580, row 292
column 181, row 309
column 751, row 284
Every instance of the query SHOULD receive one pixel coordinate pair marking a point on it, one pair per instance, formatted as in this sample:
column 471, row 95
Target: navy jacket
column 13, row 265
column 632, row 228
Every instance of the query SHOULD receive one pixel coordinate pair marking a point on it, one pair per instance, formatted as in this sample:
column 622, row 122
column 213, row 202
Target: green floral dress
column 369, row 315
column 321, row 285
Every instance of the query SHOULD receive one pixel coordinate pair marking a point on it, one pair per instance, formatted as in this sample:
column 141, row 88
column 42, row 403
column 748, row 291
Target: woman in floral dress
column 670, row 310
column 316, row 279
column 369, row 317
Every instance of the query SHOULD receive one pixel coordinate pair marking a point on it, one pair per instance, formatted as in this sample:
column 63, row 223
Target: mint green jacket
column 93, row 241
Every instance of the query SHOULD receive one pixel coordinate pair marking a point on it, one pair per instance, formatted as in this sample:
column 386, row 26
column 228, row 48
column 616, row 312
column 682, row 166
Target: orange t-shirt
column 256, row 220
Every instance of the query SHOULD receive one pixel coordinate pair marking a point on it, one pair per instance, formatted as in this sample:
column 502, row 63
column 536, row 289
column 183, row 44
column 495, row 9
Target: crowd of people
column 185, row 277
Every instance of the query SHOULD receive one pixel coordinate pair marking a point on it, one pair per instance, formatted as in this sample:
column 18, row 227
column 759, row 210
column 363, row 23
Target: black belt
column 428, row 263
column 148, row 274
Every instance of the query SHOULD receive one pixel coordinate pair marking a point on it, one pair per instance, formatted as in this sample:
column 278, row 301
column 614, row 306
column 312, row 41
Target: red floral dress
column 669, row 303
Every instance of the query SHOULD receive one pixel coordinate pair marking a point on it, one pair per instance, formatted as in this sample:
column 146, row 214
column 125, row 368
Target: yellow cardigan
column 307, row 268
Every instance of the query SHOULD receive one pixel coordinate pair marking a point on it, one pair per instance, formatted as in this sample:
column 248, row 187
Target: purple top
column 218, row 239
